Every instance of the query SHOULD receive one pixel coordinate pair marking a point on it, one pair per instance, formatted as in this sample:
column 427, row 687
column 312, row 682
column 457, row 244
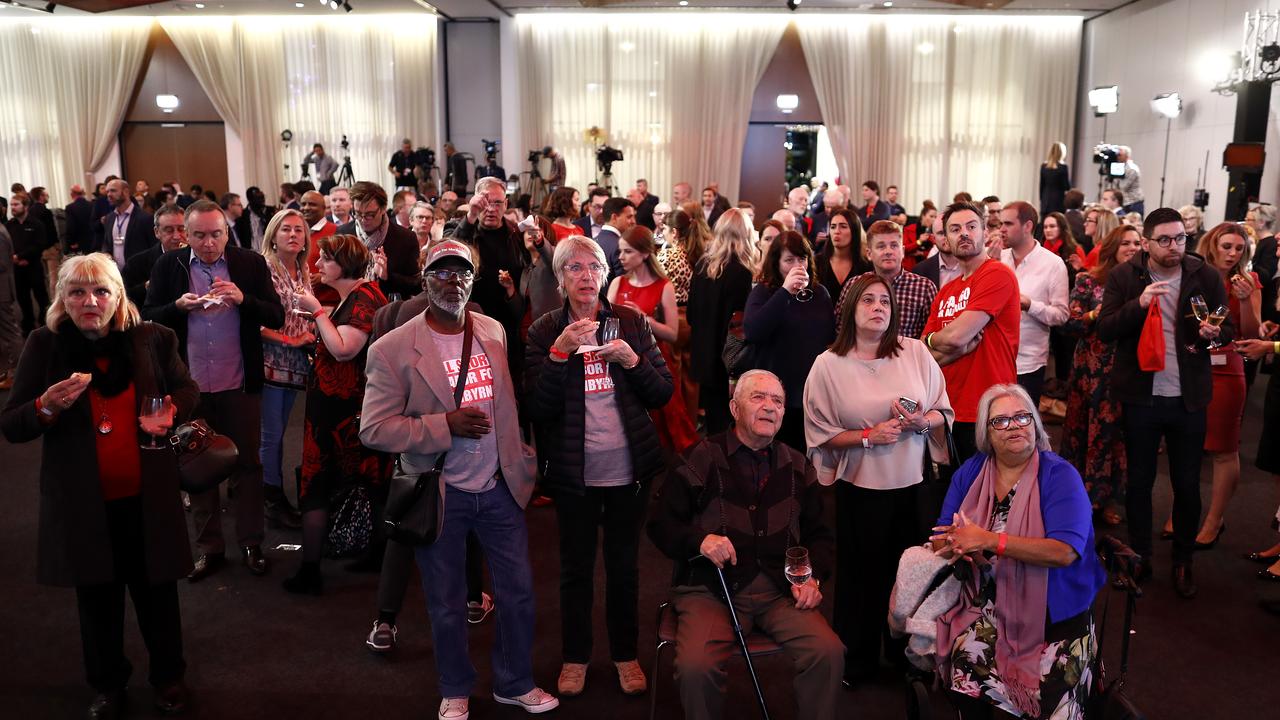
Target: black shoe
column 254, row 560
column 307, row 581
column 1210, row 545
column 172, row 700
column 1183, row 582
column 1266, row 574
column 108, row 706
column 205, row 566
column 282, row 516
column 1260, row 558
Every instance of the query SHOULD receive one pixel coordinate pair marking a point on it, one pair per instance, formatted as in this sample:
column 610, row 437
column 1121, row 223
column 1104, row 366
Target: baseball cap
column 447, row 249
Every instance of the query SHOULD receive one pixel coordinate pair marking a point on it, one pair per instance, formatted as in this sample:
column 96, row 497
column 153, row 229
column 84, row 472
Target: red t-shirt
column 993, row 290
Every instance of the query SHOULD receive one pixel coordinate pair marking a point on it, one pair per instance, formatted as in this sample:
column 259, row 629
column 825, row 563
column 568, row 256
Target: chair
column 758, row 644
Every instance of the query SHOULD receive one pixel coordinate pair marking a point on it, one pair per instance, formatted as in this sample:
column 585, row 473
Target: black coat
column 139, row 234
column 74, row 546
column 1121, row 320
column 137, row 273
column 171, row 279
column 1264, row 259
column 556, row 396
column 79, row 236
column 1054, row 184
column 42, row 213
column 401, row 248
column 29, row 238
column 929, row 268
column 712, row 304
column 644, row 212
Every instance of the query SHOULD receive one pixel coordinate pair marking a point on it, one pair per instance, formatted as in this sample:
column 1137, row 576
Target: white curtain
column 321, row 78
column 67, row 87
column 672, row 91
column 937, row 105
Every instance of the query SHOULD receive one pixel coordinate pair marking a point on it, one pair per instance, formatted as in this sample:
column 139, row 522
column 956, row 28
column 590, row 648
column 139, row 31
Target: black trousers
column 713, row 398
column 29, row 281
column 238, row 415
column 102, row 610
column 966, row 439
column 397, row 564
column 621, row 511
column 1183, row 434
column 873, row 527
column 1033, row 383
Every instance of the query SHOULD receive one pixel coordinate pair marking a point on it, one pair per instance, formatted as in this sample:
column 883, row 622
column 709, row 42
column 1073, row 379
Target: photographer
column 325, row 167
column 455, row 165
column 402, row 164
column 1130, row 184
column 491, row 167
column 558, row 172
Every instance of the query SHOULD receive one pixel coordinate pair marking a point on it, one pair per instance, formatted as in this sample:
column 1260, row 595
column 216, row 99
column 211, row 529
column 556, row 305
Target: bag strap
column 459, row 388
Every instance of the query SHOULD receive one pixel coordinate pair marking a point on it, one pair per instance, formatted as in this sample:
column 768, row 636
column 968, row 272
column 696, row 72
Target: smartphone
column 908, row 404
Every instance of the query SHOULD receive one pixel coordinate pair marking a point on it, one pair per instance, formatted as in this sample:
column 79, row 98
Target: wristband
column 866, row 438
column 1275, row 348
column 928, row 340
column 1001, row 544
column 558, row 354
column 40, row 408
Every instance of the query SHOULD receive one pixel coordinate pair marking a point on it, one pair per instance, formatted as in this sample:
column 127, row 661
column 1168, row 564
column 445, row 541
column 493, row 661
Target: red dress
column 1226, row 406
column 563, row 232
column 675, row 429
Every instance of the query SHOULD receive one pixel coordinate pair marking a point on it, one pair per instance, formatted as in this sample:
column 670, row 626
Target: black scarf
column 81, row 354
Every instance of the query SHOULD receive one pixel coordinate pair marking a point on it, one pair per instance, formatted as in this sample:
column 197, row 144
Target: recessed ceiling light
column 684, row 3
column 298, row 5
column 887, row 3
column 199, row 6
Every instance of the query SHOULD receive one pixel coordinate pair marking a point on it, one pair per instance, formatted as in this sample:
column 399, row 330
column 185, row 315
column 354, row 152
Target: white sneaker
column 457, row 708
column 535, row 701
column 382, row 638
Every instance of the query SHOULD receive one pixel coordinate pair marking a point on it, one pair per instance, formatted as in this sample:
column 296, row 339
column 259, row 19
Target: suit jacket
column 139, row 234
column 171, row 278
column 716, row 212
column 74, row 544
column 401, row 247
column 137, row 272
column 644, row 213
column 879, row 212
column 608, row 242
column 101, row 208
column 928, row 268
column 407, row 395
column 1264, row 259
column 8, row 287
column 584, row 224
column 79, row 231
column 45, row 216
column 243, row 231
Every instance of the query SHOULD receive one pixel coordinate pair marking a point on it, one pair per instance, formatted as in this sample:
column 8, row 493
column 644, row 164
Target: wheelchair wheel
column 918, row 705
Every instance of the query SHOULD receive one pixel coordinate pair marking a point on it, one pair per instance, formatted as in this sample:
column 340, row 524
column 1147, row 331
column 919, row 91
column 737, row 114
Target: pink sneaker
column 535, row 701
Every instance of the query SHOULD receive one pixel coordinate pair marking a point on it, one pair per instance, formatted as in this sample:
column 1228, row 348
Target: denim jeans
column 499, row 523
column 277, row 404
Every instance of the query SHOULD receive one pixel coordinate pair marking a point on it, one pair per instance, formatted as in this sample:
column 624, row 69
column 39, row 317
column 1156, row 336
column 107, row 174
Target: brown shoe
column 631, row 678
column 254, row 560
column 573, row 677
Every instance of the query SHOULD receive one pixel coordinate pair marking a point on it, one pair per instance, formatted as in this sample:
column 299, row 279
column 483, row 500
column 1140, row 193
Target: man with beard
column 411, row 408
column 972, row 329
column 171, row 232
column 395, row 250
column 252, row 223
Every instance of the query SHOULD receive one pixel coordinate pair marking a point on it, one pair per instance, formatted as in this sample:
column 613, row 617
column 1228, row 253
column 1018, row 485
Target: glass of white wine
column 797, row 567
column 1216, row 318
column 154, row 417
column 1200, row 309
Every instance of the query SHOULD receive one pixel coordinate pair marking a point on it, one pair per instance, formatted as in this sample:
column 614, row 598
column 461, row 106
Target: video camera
column 1108, row 158
column 490, row 148
column 424, row 157
column 606, row 157
column 534, row 156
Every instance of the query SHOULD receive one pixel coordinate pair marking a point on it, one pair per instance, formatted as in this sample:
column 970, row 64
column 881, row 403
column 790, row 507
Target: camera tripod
column 346, row 177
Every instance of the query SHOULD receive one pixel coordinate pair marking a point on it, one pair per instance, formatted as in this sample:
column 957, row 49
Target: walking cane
column 742, row 641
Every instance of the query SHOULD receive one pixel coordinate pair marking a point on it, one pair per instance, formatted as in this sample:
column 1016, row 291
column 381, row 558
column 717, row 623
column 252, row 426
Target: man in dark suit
column 217, row 298
column 591, row 222
column 101, row 207
column 251, row 225
column 645, row 204
column 1073, row 201
column 29, row 238
column 127, row 229
column 712, row 208
column 620, row 216
column 171, row 234
column 40, row 211
column 395, row 248
column 875, row 208
column 79, row 236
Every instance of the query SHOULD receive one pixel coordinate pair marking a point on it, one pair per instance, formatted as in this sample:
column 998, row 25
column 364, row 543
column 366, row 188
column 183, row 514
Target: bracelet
column 1275, row 348
column 866, row 438
column 928, row 340
column 40, row 408
column 558, row 354
column 1001, row 544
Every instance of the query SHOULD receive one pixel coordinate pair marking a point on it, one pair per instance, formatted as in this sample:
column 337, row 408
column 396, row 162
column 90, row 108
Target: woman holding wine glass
column 110, row 516
column 870, row 402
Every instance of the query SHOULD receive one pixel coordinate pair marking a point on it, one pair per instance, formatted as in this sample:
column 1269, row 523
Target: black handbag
column 414, row 505
column 937, row 481
column 738, row 355
column 205, row 458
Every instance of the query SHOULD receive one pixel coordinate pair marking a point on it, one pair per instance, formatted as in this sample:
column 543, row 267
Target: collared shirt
column 213, row 333
column 1130, row 185
column 914, row 295
column 1042, row 277
column 119, row 228
column 320, row 225
column 748, row 464
column 948, row 272
column 257, row 228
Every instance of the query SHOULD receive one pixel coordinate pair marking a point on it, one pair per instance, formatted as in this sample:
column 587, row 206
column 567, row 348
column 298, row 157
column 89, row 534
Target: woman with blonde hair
column 1098, row 224
column 719, row 288
column 1055, row 180
column 286, row 355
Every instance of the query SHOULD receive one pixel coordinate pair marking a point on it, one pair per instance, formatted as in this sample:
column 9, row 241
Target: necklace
column 104, row 425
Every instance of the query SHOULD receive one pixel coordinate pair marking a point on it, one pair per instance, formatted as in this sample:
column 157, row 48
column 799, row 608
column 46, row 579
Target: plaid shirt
column 914, row 295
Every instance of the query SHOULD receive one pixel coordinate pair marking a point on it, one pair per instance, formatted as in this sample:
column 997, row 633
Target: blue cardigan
column 1068, row 517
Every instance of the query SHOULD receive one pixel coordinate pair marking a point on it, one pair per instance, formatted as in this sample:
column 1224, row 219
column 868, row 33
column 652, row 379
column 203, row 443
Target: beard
column 451, row 307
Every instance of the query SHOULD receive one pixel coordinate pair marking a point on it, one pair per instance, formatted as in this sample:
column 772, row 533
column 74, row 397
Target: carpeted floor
column 255, row 652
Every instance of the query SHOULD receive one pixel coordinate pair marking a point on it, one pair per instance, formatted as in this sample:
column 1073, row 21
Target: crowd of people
column 736, row 386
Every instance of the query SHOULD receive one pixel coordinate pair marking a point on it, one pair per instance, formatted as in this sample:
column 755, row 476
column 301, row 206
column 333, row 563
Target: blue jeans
column 277, row 404
column 499, row 523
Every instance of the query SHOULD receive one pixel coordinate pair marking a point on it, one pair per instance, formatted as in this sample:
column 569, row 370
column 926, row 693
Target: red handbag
column 1151, row 341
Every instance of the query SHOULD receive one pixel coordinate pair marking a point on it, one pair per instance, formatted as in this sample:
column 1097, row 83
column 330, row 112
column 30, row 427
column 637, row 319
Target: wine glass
column 1200, row 309
column 609, row 330
column 393, row 297
column 797, row 567
column 155, row 412
column 1216, row 318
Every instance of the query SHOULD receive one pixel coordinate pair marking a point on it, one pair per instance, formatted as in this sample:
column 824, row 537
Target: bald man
column 78, row 237
column 312, row 205
column 127, row 229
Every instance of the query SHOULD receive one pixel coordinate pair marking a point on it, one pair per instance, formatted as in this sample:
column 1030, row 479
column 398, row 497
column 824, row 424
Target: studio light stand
column 1104, row 100
column 1168, row 106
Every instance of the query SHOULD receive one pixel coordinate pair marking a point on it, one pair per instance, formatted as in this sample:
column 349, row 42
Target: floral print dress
column 1092, row 436
column 1066, row 664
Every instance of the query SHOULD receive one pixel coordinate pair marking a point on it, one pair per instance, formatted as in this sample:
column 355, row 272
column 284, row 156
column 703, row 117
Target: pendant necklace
column 104, row 425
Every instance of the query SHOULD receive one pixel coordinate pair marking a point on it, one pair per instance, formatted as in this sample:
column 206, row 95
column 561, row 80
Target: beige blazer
column 407, row 395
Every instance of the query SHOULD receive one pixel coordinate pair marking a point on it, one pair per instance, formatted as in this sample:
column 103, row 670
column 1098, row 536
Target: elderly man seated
column 740, row 500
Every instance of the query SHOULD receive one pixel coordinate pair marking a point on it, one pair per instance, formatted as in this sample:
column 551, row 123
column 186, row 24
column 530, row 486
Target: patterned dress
column 1092, row 436
column 1066, row 664
column 675, row 263
column 333, row 459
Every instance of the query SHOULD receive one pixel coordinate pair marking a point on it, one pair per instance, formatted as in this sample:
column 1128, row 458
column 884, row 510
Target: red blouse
column 119, row 459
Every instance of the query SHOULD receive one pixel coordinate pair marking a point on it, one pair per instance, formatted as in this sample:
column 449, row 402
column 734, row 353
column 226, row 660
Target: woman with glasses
column 1098, row 224
column 869, row 403
column 1018, row 524
column 788, row 321
column 336, row 467
column 593, row 373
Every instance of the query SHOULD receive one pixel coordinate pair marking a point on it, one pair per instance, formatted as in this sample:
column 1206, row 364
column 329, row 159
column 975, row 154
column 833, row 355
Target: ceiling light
column 887, row 3
column 1105, row 100
column 1168, row 105
column 788, row 103
column 199, row 6
column 684, row 3
column 298, row 5
column 167, row 103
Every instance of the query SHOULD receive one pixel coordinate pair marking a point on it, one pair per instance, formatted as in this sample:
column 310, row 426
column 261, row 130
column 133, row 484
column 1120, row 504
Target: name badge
column 1217, row 359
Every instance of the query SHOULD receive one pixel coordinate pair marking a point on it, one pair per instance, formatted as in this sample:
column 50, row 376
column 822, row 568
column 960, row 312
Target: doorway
column 185, row 153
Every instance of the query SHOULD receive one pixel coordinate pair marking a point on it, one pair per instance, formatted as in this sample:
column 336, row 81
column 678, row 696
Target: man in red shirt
column 972, row 329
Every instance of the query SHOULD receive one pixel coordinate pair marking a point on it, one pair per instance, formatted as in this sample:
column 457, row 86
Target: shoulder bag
column 205, row 458
column 412, row 514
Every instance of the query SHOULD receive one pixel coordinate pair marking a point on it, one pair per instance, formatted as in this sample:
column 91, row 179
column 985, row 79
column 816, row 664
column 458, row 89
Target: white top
column 1042, row 276
column 847, row 393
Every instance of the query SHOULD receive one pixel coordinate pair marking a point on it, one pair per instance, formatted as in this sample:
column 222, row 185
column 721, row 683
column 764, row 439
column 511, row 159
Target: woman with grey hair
column 593, row 372
column 1017, row 516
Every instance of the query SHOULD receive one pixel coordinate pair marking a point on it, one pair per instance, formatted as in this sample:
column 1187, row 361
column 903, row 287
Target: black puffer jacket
column 556, row 397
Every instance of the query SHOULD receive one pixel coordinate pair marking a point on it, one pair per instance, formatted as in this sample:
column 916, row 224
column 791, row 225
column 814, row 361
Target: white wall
column 1160, row 46
column 475, row 89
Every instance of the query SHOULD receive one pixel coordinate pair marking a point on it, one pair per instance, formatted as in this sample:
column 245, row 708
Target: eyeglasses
column 367, row 215
column 1165, row 241
column 1001, row 422
column 579, row 268
column 462, row 276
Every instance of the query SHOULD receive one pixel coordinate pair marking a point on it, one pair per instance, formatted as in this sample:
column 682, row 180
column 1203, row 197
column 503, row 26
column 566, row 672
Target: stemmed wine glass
column 609, row 330
column 797, row 567
column 155, row 413
column 1216, row 318
column 1200, row 309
